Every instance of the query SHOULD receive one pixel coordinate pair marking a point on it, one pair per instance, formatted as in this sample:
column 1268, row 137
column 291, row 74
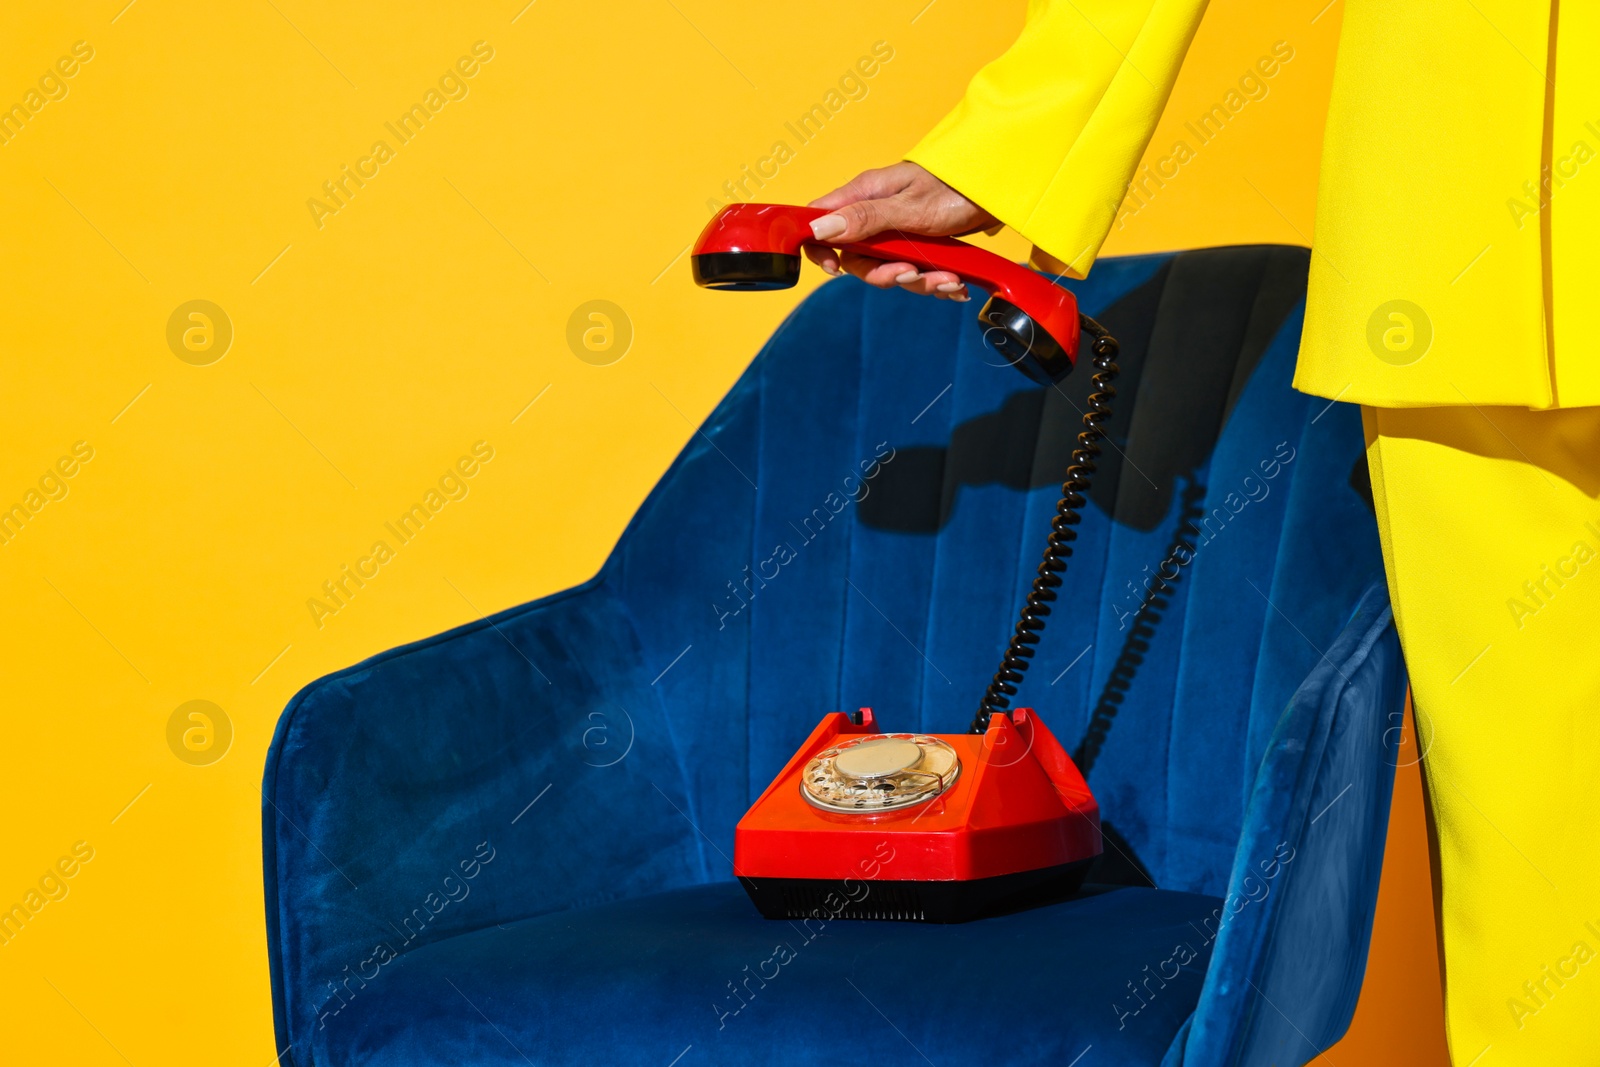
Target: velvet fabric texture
column 510, row 843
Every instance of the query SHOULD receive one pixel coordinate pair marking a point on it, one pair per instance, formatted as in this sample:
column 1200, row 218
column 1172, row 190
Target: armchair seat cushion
column 695, row 976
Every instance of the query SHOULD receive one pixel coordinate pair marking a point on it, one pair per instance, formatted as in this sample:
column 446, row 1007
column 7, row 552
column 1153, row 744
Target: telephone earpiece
column 745, row 272
column 1030, row 322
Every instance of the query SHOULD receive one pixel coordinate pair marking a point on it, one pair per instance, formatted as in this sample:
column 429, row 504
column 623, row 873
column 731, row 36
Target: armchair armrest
column 517, row 765
column 1292, row 934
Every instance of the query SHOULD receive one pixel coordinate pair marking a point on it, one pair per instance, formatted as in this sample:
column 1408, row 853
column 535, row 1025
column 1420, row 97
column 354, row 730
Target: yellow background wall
column 371, row 347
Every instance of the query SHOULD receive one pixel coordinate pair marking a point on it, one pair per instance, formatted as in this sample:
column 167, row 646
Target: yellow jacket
column 1457, row 218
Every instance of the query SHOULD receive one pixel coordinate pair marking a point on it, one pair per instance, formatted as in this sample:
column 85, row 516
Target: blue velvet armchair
column 509, row 843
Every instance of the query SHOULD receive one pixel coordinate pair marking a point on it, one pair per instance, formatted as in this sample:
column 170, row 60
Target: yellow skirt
column 1491, row 539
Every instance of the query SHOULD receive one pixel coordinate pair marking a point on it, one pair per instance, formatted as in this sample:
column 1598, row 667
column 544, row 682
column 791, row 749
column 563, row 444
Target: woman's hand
column 902, row 198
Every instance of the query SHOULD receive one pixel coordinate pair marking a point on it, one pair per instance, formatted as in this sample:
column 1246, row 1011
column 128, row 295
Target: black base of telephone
column 932, row 902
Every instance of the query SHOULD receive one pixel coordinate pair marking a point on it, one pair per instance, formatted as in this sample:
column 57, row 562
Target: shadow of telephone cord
column 1142, row 630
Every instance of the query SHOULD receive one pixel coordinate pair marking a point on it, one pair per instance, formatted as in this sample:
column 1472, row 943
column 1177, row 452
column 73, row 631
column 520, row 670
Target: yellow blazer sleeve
column 1048, row 135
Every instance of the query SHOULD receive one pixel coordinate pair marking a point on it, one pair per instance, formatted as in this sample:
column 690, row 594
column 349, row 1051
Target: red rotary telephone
column 929, row 827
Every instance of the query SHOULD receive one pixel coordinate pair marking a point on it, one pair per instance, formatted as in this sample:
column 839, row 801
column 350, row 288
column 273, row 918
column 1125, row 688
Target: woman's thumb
column 860, row 220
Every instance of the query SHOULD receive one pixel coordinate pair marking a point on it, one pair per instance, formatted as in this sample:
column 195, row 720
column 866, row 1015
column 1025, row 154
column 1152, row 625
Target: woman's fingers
column 939, row 283
column 824, row 257
column 876, row 272
column 884, row 275
column 943, row 284
column 872, row 271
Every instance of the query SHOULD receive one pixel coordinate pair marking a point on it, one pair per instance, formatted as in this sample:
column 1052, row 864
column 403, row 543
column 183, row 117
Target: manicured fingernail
column 948, row 287
column 831, row 269
column 828, row 226
column 961, row 299
column 908, row 276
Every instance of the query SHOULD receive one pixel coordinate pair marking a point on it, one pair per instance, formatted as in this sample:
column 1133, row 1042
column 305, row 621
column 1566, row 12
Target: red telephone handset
column 929, row 827
column 1031, row 322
